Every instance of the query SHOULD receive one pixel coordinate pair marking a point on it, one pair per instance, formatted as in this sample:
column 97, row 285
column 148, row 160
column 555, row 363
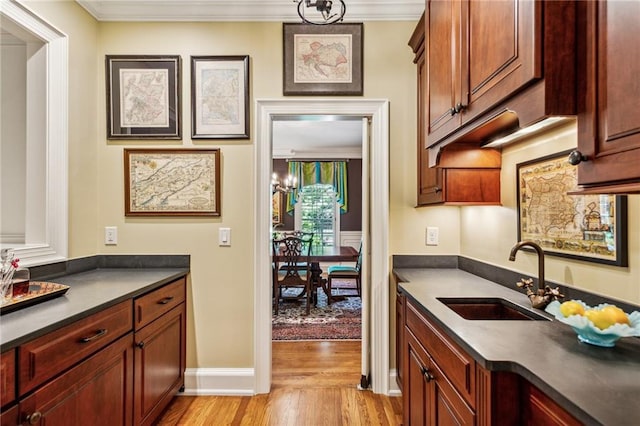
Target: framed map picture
column 220, row 97
column 143, row 97
column 172, row 182
column 583, row 227
column 322, row 59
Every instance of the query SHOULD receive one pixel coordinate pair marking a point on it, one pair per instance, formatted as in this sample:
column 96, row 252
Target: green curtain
column 324, row 172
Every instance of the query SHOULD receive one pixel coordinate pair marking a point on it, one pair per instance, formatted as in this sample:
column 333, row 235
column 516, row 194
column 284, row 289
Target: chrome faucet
column 544, row 294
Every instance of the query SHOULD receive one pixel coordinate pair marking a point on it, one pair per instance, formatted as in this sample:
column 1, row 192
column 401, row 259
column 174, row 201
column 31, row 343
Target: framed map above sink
column 584, row 227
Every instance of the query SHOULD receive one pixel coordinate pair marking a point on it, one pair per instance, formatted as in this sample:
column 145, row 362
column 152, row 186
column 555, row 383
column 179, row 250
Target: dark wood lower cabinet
column 432, row 399
column 99, row 370
column 443, row 385
column 98, row 391
column 159, row 364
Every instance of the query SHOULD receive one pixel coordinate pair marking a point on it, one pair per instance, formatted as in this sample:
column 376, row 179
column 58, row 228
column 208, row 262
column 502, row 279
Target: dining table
column 327, row 254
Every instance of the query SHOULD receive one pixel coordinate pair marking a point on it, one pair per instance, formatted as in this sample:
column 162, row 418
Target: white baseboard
column 219, row 381
column 394, row 390
column 238, row 382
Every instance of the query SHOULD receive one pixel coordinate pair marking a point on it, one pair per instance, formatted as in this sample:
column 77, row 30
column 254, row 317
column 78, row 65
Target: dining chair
column 305, row 235
column 335, row 272
column 289, row 253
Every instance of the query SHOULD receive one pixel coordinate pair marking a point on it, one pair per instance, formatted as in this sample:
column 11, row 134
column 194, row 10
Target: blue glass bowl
column 589, row 333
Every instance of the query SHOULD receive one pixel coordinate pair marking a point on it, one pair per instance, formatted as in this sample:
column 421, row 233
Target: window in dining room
column 318, row 211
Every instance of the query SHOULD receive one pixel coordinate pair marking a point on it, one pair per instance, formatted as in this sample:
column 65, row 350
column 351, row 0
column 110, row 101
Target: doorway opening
column 320, row 157
column 375, row 352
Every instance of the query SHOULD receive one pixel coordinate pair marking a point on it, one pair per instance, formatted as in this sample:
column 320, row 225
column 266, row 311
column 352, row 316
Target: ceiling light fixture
column 322, row 14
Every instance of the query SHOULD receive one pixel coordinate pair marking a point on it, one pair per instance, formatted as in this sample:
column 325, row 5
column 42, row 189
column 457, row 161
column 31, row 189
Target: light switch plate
column 224, row 237
column 111, row 235
column 431, row 238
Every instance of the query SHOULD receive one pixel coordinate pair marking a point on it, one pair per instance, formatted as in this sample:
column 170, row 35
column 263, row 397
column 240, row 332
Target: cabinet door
column 429, row 178
column 609, row 114
column 503, row 54
column 98, row 391
column 7, row 377
column 415, row 387
column 159, row 364
column 447, row 406
column 400, row 298
column 444, row 81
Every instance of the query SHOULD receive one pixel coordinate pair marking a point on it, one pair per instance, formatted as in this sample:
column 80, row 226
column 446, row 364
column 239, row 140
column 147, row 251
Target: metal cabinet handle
column 459, row 108
column 140, row 345
column 98, row 334
column 165, row 300
column 34, row 418
column 427, row 374
column 576, row 157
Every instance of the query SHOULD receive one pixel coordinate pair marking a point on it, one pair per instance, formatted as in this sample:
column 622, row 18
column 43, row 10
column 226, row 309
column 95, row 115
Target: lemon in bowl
column 602, row 325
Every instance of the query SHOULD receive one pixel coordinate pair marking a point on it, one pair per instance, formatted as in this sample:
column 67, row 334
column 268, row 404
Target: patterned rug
column 340, row 321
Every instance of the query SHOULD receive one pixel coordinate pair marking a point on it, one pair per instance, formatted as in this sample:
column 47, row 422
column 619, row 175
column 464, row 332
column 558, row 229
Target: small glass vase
column 7, row 269
column 6, row 287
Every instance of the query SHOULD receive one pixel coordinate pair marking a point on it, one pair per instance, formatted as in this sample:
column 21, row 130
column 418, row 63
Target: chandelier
column 289, row 184
column 322, row 14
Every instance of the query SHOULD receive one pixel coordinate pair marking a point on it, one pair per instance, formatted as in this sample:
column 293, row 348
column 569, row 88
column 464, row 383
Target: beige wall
column 488, row 233
column 221, row 287
column 220, row 328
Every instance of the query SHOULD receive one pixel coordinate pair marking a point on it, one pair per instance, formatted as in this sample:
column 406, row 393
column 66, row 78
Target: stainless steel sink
column 488, row 308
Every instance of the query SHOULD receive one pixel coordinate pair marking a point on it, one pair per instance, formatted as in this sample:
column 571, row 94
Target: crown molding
column 242, row 10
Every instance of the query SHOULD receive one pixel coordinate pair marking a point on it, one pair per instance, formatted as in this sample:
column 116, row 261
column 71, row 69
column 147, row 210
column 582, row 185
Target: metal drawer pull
column 100, row 333
column 165, row 300
column 34, row 418
column 427, row 374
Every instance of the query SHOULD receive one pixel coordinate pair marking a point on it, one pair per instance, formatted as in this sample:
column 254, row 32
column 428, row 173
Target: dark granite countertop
column 90, row 291
column 597, row 385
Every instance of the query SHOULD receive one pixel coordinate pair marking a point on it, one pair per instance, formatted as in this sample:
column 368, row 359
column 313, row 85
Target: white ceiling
column 243, row 10
column 317, row 137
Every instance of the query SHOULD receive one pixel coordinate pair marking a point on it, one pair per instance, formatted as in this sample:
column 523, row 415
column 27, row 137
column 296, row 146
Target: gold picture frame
column 276, row 209
column 172, row 182
column 589, row 227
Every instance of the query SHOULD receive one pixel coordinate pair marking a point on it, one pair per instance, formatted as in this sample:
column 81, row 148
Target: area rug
column 339, row 321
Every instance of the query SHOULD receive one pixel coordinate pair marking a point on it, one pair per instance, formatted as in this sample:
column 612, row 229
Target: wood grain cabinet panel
column 159, row 302
column 609, row 106
column 486, row 57
column 7, row 377
column 97, row 391
column 443, row 385
column 160, row 354
column 437, row 185
column 44, row 357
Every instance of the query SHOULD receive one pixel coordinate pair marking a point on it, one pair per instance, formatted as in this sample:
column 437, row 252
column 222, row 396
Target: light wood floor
column 313, row 383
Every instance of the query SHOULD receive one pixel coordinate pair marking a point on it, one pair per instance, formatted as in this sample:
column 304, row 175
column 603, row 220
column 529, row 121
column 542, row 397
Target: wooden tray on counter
column 39, row 291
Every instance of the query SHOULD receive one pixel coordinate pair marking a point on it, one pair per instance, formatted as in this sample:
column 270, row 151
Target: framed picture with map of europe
column 172, row 182
column 143, row 97
column 322, row 59
column 589, row 227
column 220, row 97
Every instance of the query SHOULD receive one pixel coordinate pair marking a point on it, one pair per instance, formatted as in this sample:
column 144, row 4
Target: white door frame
column 378, row 111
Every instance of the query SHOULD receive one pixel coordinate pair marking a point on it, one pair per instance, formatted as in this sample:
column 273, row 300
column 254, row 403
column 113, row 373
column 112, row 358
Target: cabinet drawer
column 455, row 363
column 158, row 302
column 52, row 353
column 7, row 377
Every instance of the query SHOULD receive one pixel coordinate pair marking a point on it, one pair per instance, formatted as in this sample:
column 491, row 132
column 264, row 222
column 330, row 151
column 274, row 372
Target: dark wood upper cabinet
column 485, row 58
column 609, row 93
column 473, row 180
